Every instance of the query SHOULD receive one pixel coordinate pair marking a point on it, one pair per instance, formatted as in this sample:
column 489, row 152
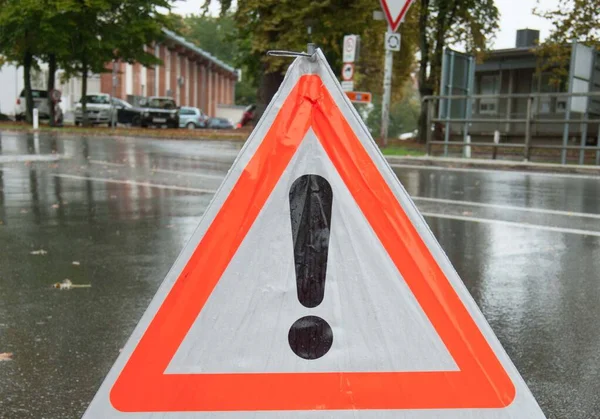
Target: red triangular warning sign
column 309, row 101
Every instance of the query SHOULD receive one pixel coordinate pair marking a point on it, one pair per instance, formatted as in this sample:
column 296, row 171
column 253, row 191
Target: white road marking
column 18, row 158
column 507, row 207
column 495, row 171
column 107, row 163
column 512, row 224
column 425, row 214
column 187, row 173
column 135, row 183
column 174, row 172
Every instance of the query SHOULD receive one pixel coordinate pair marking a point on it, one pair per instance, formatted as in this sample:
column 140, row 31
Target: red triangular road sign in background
column 394, row 11
column 310, row 107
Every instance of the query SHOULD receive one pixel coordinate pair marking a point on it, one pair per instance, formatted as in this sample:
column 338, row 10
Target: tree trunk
column 27, row 64
column 84, row 77
column 269, row 84
column 51, row 84
column 424, row 89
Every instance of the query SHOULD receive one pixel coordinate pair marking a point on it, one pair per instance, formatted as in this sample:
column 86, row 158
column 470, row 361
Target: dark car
column 219, row 123
column 154, row 111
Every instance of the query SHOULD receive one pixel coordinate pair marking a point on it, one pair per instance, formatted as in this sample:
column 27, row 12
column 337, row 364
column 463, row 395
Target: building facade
column 191, row 76
column 188, row 74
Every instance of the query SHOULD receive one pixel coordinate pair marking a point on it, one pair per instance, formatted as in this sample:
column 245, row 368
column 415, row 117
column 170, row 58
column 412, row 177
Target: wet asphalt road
column 114, row 213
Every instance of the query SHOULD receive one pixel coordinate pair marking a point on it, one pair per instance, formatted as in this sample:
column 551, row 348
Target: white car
column 40, row 102
column 100, row 109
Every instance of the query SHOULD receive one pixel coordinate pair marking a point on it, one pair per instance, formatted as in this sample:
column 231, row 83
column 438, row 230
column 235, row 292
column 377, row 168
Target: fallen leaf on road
column 75, row 263
column 467, row 213
column 55, row 206
column 67, row 285
column 6, row 356
column 24, row 211
column 41, row 252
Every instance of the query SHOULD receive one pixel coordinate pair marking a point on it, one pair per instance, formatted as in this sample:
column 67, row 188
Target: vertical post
column 586, row 115
column 496, row 142
column 528, row 128
column 563, row 158
column 387, row 94
column 469, row 101
column 449, row 104
column 430, row 111
column 467, row 151
column 598, row 148
column 36, row 118
column 113, row 122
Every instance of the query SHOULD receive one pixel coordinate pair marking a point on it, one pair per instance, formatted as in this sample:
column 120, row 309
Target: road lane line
column 187, row 173
column 174, row 172
column 135, row 183
column 18, row 158
column 507, row 207
column 512, row 224
column 107, row 163
column 507, row 171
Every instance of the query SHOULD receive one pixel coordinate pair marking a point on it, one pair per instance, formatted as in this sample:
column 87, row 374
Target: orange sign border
column 480, row 382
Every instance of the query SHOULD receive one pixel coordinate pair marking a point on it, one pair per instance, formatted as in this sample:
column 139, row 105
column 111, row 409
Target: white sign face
column 348, row 71
column 392, row 41
column 350, row 46
column 394, row 11
column 312, row 288
column 347, row 86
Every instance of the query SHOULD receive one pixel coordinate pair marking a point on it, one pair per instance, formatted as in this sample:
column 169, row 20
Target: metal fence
column 456, row 120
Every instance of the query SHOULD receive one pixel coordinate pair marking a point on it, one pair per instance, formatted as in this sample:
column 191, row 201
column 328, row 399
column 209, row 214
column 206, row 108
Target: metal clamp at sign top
column 311, row 50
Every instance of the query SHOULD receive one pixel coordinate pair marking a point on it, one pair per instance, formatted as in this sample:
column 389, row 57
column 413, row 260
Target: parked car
column 100, row 109
column 219, row 123
column 40, row 102
column 192, row 118
column 156, row 111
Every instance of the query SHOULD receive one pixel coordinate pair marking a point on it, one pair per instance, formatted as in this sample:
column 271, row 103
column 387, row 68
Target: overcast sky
column 515, row 14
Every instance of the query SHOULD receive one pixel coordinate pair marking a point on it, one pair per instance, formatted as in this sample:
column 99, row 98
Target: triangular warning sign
column 313, row 283
column 394, row 11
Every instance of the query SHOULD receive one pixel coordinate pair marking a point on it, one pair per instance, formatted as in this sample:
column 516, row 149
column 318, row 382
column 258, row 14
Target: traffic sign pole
column 387, row 92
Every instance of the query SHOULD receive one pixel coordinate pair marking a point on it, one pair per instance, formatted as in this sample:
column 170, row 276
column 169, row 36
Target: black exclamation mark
column 311, row 200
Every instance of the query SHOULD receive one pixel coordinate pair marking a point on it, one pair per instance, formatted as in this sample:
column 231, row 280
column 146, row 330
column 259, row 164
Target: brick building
column 188, row 74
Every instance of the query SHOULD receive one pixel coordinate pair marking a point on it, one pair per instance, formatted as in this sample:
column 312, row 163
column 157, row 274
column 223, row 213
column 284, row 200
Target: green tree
column 219, row 36
column 572, row 20
column 21, row 35
column 471, row 23
column 107, row 30
column 274, row 24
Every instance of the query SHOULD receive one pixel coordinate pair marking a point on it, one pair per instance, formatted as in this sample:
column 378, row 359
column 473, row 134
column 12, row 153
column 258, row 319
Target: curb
column 494, row 165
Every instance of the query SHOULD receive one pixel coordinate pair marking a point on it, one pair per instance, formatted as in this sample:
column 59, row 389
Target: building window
column 489, row 85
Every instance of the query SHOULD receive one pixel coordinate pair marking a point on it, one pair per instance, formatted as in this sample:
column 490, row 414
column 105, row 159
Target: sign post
column 394, row 11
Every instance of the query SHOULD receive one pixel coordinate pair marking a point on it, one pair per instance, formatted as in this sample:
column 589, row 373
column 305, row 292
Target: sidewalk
column 457, row 162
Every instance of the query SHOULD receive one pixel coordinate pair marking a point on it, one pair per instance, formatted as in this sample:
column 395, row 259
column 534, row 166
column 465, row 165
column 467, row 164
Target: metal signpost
column 394, row 11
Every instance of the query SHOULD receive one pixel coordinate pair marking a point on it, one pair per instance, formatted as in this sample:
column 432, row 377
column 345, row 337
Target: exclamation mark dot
column 311, row 200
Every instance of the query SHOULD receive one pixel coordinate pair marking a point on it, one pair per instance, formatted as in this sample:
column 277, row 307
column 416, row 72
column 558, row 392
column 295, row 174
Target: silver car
column 192, row 118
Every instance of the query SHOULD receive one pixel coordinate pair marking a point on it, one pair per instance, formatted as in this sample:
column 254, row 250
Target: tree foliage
column 80, row 36
column 572, row 20
column 265, row 25
column 471, row 23
column 219, row 36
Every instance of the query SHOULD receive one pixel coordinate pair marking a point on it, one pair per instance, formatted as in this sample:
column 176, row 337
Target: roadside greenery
column 572, row 20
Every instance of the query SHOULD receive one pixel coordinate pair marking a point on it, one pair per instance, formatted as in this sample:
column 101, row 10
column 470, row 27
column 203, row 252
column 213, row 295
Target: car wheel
column 136, row 121
column 191, row 125
column 77, row 123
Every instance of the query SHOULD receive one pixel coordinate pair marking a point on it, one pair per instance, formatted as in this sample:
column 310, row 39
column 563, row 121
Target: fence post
column 430, row 111
column 527, row 152
column 598, row 147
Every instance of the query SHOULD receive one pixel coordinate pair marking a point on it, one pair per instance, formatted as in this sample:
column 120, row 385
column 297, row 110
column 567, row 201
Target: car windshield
column 36, row 94
column 161, row 103
column 119, row 102
column 97, row 100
